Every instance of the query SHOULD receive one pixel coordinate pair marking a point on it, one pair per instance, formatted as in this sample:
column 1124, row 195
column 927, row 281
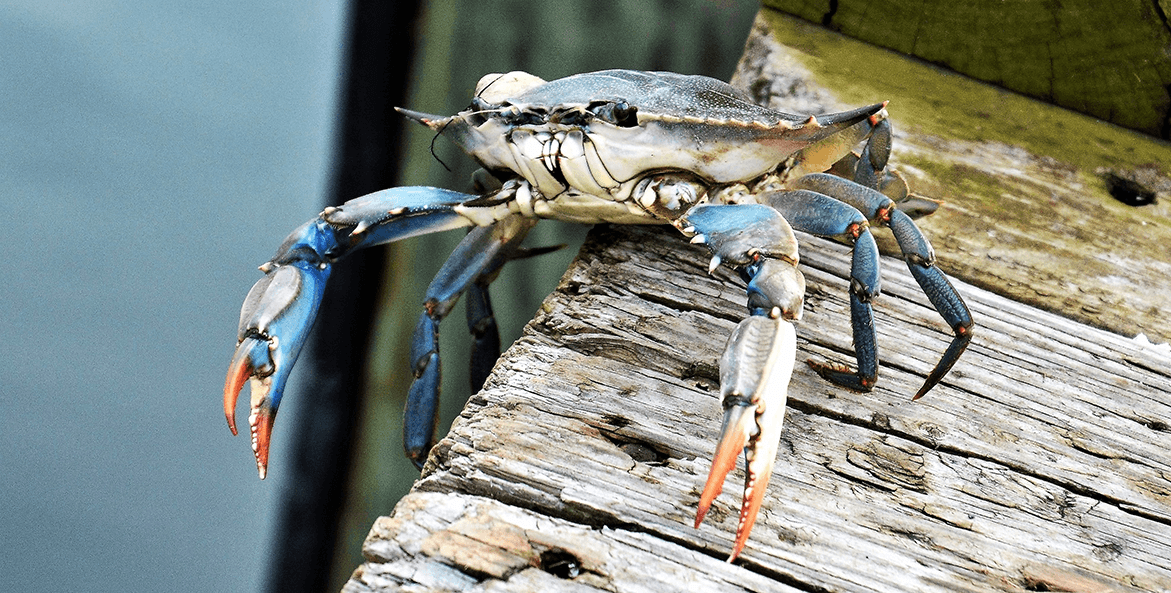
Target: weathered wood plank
column 1044, row 455
column 1028, row 212
column 462, row 542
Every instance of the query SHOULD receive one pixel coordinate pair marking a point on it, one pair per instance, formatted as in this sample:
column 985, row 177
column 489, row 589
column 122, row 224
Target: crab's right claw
column 274, row 323
column 281, row 307
column 754, row 380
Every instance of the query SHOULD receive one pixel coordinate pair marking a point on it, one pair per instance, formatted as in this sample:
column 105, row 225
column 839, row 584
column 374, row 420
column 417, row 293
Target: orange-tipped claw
column 754, row 378
column 739, row 422
column 238, row 372
column 252, row 361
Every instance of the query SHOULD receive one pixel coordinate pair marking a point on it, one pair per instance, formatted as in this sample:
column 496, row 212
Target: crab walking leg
column 824, row 216
column 920, row 259
column 754, row 382
column 280, row 308
column 485, row 335
column 868, row 169
column 476, row 261
column 874, row 156
column 485, row 347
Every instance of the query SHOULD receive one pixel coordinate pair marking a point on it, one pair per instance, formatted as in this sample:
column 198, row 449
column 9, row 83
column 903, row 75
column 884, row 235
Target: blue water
column 147, row 152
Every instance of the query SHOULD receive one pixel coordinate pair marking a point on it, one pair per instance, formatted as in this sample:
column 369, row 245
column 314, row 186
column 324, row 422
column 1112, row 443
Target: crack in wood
column 1020, row 469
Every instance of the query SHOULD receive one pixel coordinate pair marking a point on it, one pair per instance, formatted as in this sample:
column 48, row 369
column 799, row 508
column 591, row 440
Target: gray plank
column 1044, row 455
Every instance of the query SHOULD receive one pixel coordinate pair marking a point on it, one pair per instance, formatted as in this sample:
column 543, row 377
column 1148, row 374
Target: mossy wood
column 1111, row 60
column 1028, row 209
column 1042, row 462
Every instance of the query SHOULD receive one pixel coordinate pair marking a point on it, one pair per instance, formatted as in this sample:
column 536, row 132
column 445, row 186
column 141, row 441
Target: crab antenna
column 433, row 139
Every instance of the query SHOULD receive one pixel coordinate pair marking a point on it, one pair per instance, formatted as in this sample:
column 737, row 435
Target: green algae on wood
column 1027, row 211
column 954, row 106
column 1106, row 59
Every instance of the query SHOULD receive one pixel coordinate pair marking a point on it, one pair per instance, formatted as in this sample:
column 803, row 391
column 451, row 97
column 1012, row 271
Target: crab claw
column 274, row 323
column 754, row 378
column 252, row 363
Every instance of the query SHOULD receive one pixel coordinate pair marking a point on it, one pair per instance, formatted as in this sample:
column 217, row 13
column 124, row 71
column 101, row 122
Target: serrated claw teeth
column 260, row 422
column 251, row 364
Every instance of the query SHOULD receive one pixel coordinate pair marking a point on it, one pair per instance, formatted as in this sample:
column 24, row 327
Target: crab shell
column 681, row 123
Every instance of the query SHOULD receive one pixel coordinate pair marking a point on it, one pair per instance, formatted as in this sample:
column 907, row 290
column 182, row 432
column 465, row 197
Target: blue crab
column 624, row 147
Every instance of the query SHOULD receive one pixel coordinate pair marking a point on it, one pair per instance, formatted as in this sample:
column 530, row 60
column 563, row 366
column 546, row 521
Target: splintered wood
column 1042, row 459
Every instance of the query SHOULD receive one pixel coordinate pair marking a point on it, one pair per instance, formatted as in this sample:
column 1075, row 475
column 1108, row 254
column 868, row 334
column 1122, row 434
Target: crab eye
column 625, row 114
column 478, row 111
column 619, row 113
column 524, row 116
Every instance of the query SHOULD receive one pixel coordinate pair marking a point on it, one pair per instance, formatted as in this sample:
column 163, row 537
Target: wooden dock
column 1042, row 462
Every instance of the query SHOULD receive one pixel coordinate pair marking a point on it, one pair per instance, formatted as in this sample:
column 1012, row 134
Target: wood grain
column 1043, row 457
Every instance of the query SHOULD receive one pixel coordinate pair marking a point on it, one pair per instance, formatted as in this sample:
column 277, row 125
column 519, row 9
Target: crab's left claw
column 754, row 379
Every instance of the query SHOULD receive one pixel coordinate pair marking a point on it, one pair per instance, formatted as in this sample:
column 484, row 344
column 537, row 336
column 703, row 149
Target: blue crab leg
column 824, row 216
column 874, row 156
column 867, row 168
column 280, row 308
column 485, row 348
column 758, row 360
column 917, row 253
column 920, row 260
column 475, row 262
column 485, row 335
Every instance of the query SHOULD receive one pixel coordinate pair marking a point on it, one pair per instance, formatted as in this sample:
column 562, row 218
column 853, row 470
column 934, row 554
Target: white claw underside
column 259, row 388
column 754, row 378
column 770, row 397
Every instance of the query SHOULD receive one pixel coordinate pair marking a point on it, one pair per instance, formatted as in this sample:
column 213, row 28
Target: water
column 147, row 152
